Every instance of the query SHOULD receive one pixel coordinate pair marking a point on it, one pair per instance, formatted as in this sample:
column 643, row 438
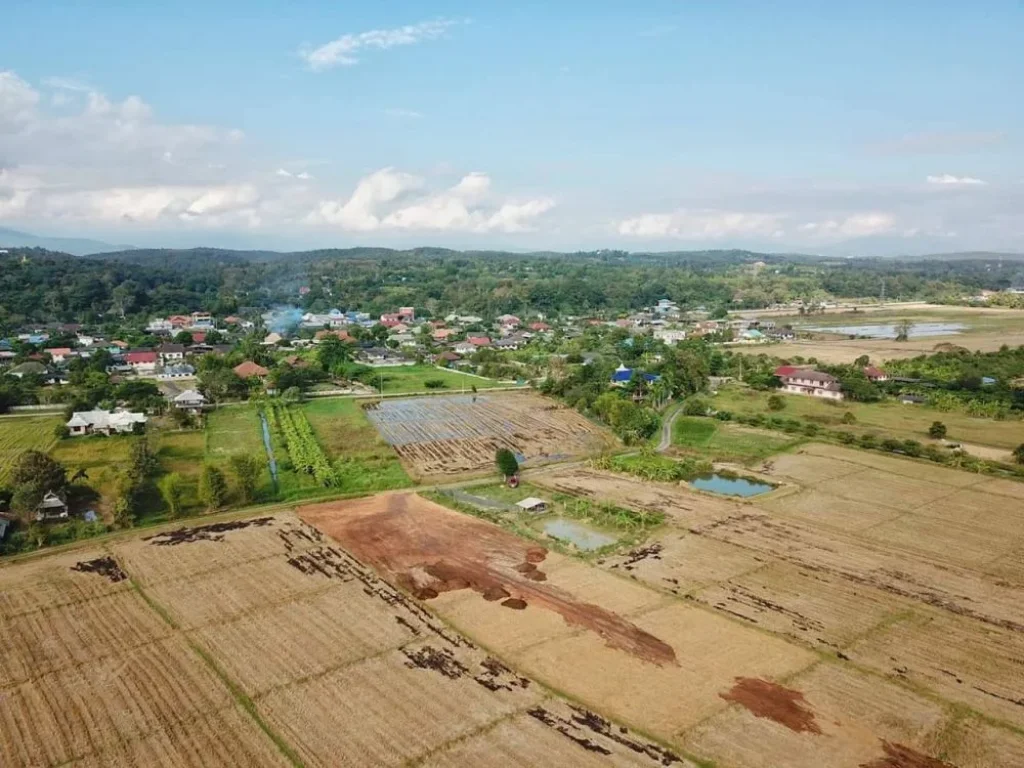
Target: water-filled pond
column 731, row 486
column 583, row 536
column 888, row 331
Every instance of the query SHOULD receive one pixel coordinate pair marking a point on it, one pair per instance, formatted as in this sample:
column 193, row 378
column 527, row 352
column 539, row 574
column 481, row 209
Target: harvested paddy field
column 459, row 434
column 907, row 577
column 261, row 642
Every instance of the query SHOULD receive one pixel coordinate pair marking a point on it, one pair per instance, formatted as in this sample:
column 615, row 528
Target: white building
column 190, row 400
column 104, row 422
column 160, row 325
column 805, row 381
column 671, row 336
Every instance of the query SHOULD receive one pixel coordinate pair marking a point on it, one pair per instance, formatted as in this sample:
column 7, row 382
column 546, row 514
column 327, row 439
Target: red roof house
column 248, row 369
column 540, row 327
column 875, row 374
column 785, row 370
column 343, row 335
column 136, row 359
column 479, row 341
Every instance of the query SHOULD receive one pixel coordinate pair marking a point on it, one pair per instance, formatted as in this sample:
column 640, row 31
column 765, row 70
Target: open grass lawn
column 886, row 418
column 102, row 458
column 413, row 378
column 365, row 461
column 24, row 434
column 728, row 442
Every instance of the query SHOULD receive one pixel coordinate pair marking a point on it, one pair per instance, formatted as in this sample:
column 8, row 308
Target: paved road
column 666, row 430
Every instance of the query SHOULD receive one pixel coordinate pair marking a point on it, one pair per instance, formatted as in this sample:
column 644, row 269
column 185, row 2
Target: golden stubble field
column 905, row 579
column 869, row 613
column 260, row 642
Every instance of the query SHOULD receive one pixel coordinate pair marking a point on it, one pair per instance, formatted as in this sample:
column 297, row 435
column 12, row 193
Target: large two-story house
column 807, row 381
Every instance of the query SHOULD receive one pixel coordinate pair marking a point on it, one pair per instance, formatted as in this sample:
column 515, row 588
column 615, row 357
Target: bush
column 912, row 447
column 695, row 406
column 868, row 441
column 435, row 384
column 893, row 446
column 724, row 415
column 847, row 438
column 811, row 429
column 776, row 403
column 937, row 431
column 849, row 418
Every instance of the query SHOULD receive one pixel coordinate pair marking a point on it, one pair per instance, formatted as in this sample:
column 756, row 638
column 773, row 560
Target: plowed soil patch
column 428, row 549
column 765, row 699
column 899, row 756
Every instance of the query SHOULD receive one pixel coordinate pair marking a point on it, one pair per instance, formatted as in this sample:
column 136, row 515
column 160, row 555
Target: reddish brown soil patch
column 495, row 593
column 899, row 756
column 514, row 603
column 764, row 699
column 428, row 549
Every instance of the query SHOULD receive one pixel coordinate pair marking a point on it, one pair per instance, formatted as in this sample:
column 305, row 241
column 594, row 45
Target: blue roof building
column 623, row 375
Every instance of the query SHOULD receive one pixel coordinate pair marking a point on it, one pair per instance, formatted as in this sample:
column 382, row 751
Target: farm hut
column 52, row 507
column 533, row 504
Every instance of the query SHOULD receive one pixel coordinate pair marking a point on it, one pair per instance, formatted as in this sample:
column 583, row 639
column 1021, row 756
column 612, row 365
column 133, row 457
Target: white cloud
column 717, row 225
column 102, row 160
column 411, row 114
column 343, row 50
column 701, row 224
column 947, row 178
column 392, row 200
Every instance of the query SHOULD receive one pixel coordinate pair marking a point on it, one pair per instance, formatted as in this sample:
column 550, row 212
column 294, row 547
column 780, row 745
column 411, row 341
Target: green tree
column 1018, row 454
column 172, row 490
column 903, row 329
column 213, row 489
column 776, row 403
column 506, row 461
column 937, row 431
column 34, row 474
column 247, row 470
column 849, row 418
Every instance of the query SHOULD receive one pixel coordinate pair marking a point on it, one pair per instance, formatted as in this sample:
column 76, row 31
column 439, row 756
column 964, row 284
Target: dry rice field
column 905, row 579
column 868, row 614
column 459, row 434
column 261, row 642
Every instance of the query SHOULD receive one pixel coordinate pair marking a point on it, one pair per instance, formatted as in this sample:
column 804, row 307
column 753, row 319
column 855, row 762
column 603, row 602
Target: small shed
column 533, row 504
column 52, row 507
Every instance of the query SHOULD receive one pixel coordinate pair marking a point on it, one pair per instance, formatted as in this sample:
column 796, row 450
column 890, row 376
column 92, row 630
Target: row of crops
column 304, row 451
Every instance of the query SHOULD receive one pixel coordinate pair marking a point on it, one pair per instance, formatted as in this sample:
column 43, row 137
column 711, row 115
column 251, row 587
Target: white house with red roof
column 142, row 362
column 809, row 382
column 875, row 374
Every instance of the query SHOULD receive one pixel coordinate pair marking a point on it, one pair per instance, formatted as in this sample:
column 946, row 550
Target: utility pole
column 882, row 297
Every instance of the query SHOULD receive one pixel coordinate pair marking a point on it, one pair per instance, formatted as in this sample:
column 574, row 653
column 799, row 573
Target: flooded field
column 726, row 485
column 581, row 536
column 889, row 331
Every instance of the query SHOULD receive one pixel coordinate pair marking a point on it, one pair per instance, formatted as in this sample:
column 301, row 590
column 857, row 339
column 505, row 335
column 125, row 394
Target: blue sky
column 830, row 127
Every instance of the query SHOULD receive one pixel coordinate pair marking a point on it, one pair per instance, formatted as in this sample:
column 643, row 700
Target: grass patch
column 652, row 466
column 17, row 435
column 722, row 441
column 401, row 379
column 629, row 527
column 887, row 418
column 363, row 460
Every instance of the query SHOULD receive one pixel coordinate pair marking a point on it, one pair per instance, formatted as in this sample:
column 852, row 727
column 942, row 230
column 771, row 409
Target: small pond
column 883, row 331
column 582, row 536
column 731, row 486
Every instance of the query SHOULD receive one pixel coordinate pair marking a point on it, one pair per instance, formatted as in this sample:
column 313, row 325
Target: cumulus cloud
column 948, row 178
column 389, row 199
column 716, row 225
column 702, row 224
column 343, row 51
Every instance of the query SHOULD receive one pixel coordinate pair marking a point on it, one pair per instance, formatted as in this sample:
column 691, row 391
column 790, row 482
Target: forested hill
column 43, row 286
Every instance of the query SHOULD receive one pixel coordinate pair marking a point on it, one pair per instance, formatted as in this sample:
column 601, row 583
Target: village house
column 179, row 322
column 533, row 505
column 670, row 336
column 381, row 356
column 160, row 325
column 325, row 334
column 104, row 422
column 142, row 362
column 249, row 369
column 442, row 334
column 509, row 323
column 272, row 339
column 509, row 343
column 170, row 353
column 190, row 400
column 479, row 341
column 875, row 374
column 623, row 375
column 406, row 314
column 464, row 348
column 52, row 507
column 806, row 381
column 59, row 354
column 178, row 371
column 203, row 321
